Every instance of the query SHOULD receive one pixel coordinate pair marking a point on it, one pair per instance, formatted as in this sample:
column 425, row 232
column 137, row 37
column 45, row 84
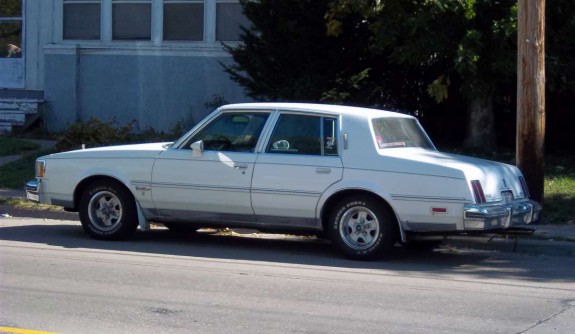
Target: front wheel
column 362, row 228
column 108, row 211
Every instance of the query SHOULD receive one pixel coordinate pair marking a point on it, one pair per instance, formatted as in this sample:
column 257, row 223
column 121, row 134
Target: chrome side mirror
column 197, row 148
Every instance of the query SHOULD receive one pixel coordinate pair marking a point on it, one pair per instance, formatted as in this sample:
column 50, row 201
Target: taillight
column 478, row 191
column 524, row 186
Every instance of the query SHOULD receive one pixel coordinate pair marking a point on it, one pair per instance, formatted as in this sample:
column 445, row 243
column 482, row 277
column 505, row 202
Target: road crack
column 567, row 305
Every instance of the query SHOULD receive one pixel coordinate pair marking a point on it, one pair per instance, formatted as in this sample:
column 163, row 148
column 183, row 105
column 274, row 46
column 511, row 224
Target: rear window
column 399, row 132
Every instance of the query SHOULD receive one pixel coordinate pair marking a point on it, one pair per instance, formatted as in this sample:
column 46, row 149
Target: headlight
column 40, row 168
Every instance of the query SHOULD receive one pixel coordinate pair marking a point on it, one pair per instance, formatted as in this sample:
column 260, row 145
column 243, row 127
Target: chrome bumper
column 33, row 190
column 500, row 216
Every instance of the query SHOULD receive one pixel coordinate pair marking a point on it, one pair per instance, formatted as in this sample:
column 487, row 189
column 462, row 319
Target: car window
column 330, row 132
column 232, row 132
column 302, row 134
column 399, row 132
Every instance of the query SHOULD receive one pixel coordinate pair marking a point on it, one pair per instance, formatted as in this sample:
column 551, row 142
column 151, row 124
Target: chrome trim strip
column 286, row 192
column 401, row 197
column 198, row 187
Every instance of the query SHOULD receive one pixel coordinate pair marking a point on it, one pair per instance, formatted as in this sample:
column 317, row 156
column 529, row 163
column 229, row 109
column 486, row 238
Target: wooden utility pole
column 531, row 94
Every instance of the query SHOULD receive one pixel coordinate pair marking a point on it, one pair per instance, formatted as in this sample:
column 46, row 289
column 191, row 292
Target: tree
column 466, row 44
column 286, row 54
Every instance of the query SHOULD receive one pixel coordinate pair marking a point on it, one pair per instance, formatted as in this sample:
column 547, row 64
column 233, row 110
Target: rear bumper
column 478, row 217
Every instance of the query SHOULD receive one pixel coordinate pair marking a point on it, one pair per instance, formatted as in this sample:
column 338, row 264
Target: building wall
column 155, row 82
column 157, row 88
column 38, row 19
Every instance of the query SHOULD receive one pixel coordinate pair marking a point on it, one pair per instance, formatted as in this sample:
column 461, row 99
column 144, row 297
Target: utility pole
column 531, row 94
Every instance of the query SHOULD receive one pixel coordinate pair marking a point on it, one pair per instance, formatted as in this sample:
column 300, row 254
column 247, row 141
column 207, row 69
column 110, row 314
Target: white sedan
column 365, row 178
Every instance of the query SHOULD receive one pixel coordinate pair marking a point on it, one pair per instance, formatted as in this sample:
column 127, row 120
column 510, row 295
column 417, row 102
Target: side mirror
column 197, row 148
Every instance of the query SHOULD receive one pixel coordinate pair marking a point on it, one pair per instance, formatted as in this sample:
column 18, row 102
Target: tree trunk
column 480, row 124
column 531, row 94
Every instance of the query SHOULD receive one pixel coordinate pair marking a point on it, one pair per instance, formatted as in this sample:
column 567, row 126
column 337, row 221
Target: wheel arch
column 82, row 185
column 329, row 203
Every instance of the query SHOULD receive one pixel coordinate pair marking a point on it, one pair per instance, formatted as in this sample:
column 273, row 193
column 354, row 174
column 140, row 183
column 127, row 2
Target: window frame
column 322, row 118
column 14, row 68
column 192, row 138
column 209, row 40
column 79, row 2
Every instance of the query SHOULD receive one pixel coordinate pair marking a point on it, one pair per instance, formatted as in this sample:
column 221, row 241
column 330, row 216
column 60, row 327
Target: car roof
column 317, row 108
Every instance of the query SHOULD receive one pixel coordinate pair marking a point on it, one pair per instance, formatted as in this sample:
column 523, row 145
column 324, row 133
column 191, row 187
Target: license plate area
column 507, row 196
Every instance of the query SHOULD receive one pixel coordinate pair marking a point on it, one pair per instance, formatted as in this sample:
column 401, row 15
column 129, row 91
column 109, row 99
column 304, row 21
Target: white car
column 365, row 178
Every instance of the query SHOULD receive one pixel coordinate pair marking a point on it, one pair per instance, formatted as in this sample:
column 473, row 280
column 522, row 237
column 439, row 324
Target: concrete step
column 14, row 112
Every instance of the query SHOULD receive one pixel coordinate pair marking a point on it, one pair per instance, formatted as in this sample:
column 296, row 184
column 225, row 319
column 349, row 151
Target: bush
column 94, row 133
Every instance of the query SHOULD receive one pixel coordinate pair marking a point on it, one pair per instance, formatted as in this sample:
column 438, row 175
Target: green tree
column 286, row 53
column 466, row 45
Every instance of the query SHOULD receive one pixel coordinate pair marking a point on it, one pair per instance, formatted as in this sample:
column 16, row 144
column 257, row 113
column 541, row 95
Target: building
column 154, row 61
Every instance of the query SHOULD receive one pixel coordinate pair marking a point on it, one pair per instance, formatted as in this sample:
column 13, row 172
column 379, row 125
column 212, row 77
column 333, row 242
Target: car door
column 299, row 163
column 213, row 185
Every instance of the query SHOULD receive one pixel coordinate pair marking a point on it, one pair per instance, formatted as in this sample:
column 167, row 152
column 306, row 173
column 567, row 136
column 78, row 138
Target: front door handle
column 323, row 170
column 240, row 166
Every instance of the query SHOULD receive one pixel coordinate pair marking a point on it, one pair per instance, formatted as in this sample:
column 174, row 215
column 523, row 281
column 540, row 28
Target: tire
column 108, row 211
column 362, row 228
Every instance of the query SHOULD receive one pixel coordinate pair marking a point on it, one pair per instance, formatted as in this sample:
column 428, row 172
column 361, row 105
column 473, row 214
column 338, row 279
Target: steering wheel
column 220, row 143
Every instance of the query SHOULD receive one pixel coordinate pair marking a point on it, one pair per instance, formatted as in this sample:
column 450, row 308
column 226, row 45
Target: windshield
column 399, row 132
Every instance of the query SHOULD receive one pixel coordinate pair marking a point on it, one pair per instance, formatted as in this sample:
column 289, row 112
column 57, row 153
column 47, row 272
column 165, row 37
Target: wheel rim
column 105, row 211
column 359, row 228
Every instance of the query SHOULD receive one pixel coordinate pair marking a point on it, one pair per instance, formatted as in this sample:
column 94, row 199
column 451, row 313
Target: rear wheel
column 362, row 228
column 108, row 211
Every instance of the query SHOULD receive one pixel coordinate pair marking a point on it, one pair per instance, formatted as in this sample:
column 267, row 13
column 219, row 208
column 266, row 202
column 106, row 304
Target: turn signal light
column 40, row 168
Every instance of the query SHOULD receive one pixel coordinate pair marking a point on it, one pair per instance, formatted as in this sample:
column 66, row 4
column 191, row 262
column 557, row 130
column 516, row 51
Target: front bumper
column 33, row 190
column 490, row 216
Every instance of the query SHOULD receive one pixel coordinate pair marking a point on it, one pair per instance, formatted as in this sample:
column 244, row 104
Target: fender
column 361, row 185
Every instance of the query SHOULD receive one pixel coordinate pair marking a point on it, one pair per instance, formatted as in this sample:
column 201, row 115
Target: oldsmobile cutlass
column 365, row 178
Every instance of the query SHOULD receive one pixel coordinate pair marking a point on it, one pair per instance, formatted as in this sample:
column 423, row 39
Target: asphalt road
column 54, row 278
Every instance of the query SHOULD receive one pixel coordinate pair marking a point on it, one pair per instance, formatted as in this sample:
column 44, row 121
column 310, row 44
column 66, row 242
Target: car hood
column 121, row 151
column 495, row 177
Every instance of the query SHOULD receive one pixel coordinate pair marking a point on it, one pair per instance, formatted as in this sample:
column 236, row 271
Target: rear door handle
column 323, row 170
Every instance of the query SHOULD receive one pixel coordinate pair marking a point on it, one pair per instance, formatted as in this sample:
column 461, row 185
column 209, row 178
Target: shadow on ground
column 303, row 251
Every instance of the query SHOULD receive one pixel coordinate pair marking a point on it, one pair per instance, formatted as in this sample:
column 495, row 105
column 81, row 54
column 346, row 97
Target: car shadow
column 302, row 251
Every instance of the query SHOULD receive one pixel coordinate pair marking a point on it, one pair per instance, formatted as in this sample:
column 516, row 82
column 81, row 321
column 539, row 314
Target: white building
column 153, row 61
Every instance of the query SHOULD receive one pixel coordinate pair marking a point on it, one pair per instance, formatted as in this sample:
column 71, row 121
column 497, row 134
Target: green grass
column 15, row 174
column 11, row 146
column 21, row 203
column 559, row 202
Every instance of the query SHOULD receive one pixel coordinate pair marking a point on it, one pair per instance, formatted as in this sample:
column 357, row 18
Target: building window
column 131, row 20
column 81, row 20
column 11, row 29
column 183, row 20
column 229, row 19
column 206, row 21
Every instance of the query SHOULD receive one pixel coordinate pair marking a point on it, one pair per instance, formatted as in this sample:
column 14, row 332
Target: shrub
column 94, row 133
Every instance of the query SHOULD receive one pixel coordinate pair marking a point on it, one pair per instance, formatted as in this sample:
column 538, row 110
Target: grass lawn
column 559, row 202
column 11, row 146
column 15, row 174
